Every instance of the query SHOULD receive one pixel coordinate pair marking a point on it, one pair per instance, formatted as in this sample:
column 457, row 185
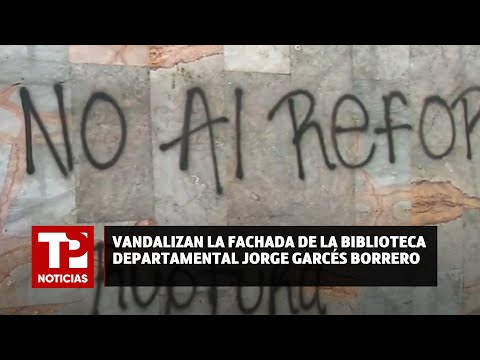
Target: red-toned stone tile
column 167, row 56
column 110, row 54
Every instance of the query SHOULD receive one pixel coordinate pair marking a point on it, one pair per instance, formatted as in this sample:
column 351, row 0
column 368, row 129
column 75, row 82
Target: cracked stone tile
column 167, row 56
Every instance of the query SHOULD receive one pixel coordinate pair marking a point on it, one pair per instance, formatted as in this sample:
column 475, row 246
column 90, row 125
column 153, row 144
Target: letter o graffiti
column 123, row 123
column 441, row 102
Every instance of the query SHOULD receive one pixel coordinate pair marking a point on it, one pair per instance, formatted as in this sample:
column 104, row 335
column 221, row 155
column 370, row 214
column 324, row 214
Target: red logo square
column 62, row 257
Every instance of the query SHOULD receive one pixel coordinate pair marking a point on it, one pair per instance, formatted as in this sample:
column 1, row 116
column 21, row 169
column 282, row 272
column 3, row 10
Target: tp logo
column 62, row 257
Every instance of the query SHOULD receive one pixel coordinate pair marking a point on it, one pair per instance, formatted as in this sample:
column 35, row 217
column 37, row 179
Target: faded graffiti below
column 299, row 299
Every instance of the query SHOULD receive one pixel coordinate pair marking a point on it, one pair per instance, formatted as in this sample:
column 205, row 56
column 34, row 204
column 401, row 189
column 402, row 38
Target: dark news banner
column 270, row 256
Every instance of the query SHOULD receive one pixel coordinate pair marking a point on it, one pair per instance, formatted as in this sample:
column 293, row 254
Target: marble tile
column 137, row 55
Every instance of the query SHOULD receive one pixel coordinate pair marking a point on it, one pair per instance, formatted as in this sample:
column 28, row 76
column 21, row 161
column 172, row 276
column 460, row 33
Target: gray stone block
column 440, row 65
column 371, row 94
column 445, row 299
column 45, row 53
column 34, row 64
column 381, row 62
column 424, row 302
column 190, row 197
column 386, row 300
column 123, row 191
column 322, row 183
column 13, row 52
column 437, row 71
column 381, row 186
column 27, row 71
column 44, row 198
column 451, row 239
column 16, row 291
column 48, row 53
column 398, row 300
column 257, row 58
column 449, row 290
column 328, row 67
column 372, row 301
column 470, row 79
column 471, row 265
column 468, row 234
column 470, row 57
column 271, row 191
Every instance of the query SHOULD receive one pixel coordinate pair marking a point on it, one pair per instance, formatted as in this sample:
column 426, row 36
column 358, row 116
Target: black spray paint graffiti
column 299, row 128
column 308, row 123
column 29, row 109
column 298, row 300
column 123, row 123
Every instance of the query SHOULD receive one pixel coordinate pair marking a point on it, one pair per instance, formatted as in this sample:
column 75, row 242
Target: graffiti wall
column 240, row 135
